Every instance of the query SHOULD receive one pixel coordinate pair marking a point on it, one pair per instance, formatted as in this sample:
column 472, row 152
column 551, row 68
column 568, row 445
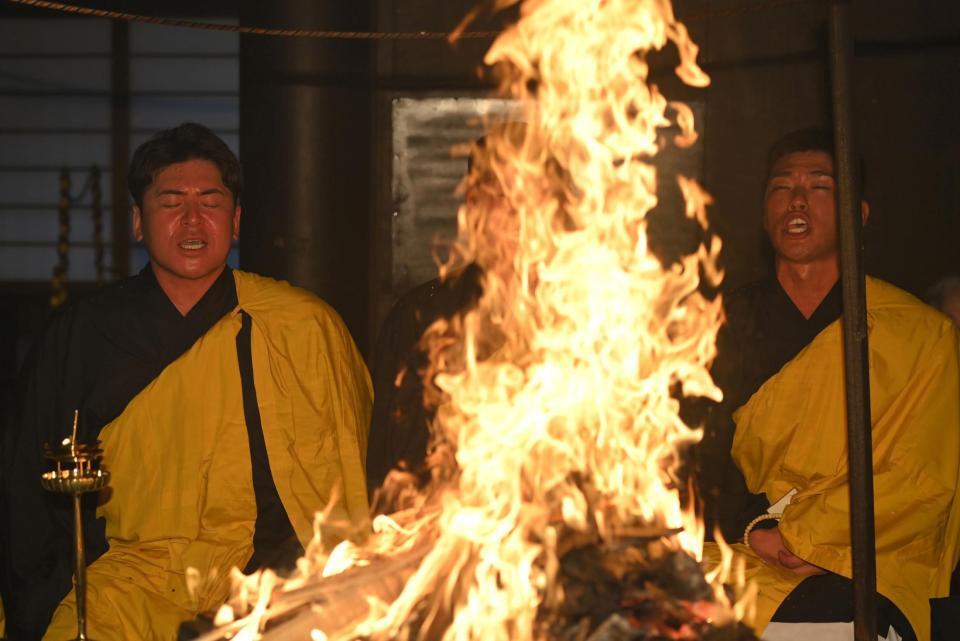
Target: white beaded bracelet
column 760, row 519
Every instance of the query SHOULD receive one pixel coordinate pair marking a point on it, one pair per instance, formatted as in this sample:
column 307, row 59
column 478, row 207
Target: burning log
column 633, row 589
column 340, row 601
column 638, row 586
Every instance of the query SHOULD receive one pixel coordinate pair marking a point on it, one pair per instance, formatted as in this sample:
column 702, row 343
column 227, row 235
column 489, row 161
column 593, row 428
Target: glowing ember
column 558, row 420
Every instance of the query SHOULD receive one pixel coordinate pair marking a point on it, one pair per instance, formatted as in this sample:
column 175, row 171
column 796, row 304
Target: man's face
column 188, row 221
column 800, row 212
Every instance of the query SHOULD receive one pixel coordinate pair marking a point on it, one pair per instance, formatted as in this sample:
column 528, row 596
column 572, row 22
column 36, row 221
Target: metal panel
column 431, row 136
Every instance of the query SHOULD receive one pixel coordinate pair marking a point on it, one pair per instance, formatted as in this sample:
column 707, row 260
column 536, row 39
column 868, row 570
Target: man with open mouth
column 230, row 408
column 773, row 458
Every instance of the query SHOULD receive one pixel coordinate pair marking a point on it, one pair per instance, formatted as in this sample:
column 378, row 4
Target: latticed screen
column 55, row 101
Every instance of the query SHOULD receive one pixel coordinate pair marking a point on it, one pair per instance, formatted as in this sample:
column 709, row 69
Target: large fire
column 558, row 393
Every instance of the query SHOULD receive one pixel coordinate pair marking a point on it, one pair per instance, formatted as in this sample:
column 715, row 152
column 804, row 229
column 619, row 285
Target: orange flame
column 557, row 387
column 558, row 407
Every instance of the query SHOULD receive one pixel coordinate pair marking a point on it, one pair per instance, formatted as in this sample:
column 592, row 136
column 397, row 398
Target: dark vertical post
column 305, row 143
column 120, row 145
column 855, row 352
column 385, row 59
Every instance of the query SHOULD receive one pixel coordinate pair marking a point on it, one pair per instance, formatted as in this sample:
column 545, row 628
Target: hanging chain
column 96, row 213
column 260, row 31
column 59, row 294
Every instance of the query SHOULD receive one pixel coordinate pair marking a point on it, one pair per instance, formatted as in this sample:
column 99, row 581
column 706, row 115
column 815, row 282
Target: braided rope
column 348, row 35
column 96, row 213
column 260, row 31
column 58, row 295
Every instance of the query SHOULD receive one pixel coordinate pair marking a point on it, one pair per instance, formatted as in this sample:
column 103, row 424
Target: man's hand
column 768, row 544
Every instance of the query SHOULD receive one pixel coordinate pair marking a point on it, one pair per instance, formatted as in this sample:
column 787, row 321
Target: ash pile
column 637, row 590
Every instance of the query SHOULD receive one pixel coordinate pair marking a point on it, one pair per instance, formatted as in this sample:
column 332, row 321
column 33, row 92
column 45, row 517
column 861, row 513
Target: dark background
column 316, row 141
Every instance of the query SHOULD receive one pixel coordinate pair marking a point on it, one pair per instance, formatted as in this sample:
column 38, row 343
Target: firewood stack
column 633, row 584
column 636, row 589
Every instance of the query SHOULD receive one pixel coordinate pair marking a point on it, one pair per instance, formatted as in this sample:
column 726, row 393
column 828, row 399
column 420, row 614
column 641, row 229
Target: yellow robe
column 181, row 489
column 792, row 434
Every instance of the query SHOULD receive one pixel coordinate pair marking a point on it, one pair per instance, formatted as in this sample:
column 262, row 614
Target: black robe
column 763, row 332
column 399, row 429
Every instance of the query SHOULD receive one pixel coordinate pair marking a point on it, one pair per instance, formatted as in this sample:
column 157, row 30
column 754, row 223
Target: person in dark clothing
column 400, row 430
column 767, row 325
column 769, row 475
column 170, row 370
column 764, row 330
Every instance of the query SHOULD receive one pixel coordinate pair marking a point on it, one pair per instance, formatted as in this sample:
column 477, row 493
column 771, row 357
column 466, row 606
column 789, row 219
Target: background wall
column 770, row 75
column 82, row 92
column 769, row 69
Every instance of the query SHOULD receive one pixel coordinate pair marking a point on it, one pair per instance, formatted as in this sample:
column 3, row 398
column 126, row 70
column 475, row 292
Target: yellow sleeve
column 130, row 596
column 182, row 491
column 180, row 497
column 916, row 446
column 320, row 399
column 353, row 392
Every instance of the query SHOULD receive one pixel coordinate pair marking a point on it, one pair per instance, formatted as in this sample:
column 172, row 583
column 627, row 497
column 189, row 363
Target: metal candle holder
column 77, row 472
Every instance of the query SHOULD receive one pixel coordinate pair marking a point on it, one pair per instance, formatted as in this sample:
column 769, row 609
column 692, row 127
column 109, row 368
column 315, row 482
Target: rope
column 58, row 296
column 96, row 206
column 349, row 35
column 259, row 31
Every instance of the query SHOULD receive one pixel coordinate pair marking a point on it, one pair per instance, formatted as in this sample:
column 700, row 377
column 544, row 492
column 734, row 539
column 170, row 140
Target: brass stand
column 77, row 472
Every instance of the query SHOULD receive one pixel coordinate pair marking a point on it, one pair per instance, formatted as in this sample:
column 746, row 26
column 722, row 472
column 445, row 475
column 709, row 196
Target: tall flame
column 558, row 388
column 558, row 392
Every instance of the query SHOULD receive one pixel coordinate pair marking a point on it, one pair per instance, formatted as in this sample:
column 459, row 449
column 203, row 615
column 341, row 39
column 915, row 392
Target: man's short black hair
column 188, row 141
column 809, row 140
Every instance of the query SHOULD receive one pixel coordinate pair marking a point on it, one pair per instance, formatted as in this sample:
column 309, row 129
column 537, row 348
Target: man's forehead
column 814, row 161
column 195, row 170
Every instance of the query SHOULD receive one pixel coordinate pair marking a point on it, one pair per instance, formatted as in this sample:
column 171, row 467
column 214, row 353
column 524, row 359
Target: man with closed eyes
column 773, row 458
column 230, row 408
